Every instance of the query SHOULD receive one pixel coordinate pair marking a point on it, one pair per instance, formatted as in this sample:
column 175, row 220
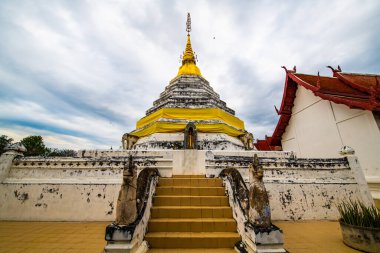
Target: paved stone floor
column 312, row 237
column 70, row 237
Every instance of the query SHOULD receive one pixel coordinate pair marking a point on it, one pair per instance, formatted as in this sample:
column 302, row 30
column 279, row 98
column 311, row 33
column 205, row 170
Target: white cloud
column 86, row 72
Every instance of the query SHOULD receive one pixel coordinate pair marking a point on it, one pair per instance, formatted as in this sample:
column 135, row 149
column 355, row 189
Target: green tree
column 35, row 146
column 4, row 141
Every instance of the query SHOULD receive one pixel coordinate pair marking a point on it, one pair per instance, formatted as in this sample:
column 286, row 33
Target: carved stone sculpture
column 259, row 209
column 247, row 140
column 126, row 209
column 129, row 141
column 6, row 159
column 347, row 150
column 18, row 147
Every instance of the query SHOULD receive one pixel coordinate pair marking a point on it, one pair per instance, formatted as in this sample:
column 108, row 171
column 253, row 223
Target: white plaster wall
column 189, row 162
column 319, row 128
column 359, row 130
column 312, row 127
column 161, row 137
column 76, row 189
column 299, row 189
column 304, row 99
column 58, row 202
column 219, row 137
column 72, row 189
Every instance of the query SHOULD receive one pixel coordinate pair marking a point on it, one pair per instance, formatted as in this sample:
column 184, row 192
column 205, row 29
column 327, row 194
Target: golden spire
column 188, row 60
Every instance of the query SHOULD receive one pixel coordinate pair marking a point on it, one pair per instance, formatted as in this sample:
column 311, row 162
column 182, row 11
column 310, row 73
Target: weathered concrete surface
column 86, row 188
column 71, row 189
column 58, row 202
column 299, row 189
column 188, row 91
column 205, row 141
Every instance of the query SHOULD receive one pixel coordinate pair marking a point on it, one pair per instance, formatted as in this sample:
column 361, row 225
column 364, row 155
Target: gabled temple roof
column 357, row 91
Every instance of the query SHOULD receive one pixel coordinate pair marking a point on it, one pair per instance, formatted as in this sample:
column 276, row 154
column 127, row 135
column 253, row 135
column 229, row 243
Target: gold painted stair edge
column 200, row 250
column 189, row 176
column 191, row 212
column 190, row 190
column 192, row 239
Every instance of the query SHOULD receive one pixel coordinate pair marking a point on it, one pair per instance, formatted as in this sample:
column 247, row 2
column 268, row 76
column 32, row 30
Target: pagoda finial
column 188, row 59
column 188, row 24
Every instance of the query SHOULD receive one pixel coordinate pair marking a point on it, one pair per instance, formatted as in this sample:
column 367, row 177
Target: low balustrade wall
column 85, row 188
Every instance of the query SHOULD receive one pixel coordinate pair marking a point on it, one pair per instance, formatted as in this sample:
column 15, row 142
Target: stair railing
column 128, row 238
column 254, row 239
column 237, row 193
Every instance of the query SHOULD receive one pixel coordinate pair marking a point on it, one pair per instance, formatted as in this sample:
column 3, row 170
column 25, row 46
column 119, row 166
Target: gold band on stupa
column 207, row 120
column 196, row 114
column 171, row 127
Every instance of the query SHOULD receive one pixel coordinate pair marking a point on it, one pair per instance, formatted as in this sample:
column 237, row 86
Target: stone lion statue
column 126, row 208
column 259, row 209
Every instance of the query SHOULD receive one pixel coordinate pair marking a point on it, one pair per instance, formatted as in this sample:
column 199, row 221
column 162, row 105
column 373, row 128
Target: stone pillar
column 6, row 159
column 365, row 194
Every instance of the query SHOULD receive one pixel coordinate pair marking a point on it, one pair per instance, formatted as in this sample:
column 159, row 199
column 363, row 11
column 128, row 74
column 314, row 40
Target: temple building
column 319, row 115
column 189, row 114
column 189, row 177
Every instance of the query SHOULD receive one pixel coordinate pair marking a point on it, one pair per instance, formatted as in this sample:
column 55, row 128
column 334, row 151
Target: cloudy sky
column 81, row 73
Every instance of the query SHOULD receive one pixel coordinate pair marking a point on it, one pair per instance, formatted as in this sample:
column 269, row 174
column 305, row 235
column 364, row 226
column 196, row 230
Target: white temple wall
column 86, row 188
column 299, row 188
column 319, row 128
column 311, row 127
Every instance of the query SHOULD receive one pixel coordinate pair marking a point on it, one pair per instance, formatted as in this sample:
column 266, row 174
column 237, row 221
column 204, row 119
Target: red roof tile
column 331, row 85
column 362, row 82
column 264, row 145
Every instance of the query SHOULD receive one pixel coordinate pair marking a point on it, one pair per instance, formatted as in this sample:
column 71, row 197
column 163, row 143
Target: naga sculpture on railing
column 133, row 209
column 259, row 208
column 251, row 209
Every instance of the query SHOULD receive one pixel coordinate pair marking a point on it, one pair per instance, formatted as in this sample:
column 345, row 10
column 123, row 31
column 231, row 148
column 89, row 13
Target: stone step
column 193, row 182
column 191, row 212
column 190, row 191
column 192, row 240
column 201, row 250
column 190, row 200
column 189, row 176
column 192, row 225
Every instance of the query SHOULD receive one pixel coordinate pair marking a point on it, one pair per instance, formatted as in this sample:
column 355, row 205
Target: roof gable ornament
column 338, row 69
column 294, row 70
column 277, row 111
column 318, row 81
column 373, row 94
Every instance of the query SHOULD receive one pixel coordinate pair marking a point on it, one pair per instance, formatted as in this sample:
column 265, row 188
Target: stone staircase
column 191, row 214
